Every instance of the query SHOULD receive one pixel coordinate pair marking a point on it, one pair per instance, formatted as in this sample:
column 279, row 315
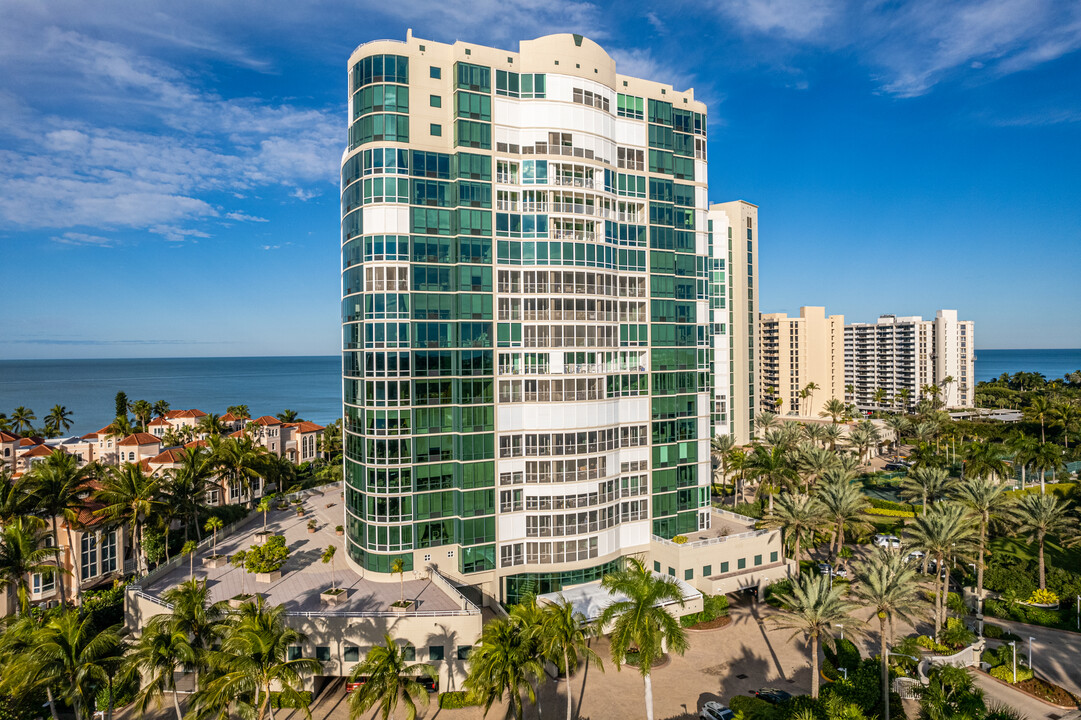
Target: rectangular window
column 108, row 553
column 89, row 556
column 707, row 570
column 757, row 560
column 435, row 101
column 463, row 651
column 741, row 563
column 435, row 72
column 435, row 652
column 436, row 130
column 688, row 574
column 409, row 653
column 724, row 567
column 773, row 556
column 474, row 77
column 322, row 653
column 351, row 653
column 656, row 566
column 672, row 571
column 294, row 652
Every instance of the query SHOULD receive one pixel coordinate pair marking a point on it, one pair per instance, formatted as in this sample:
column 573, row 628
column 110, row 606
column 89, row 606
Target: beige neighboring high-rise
column 797, row 351
column 739, row 220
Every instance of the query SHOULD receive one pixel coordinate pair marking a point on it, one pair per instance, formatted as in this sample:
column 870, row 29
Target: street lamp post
column 1030, row 639
column 1013, row 644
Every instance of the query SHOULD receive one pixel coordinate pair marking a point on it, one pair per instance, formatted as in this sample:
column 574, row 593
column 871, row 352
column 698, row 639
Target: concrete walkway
column 1056, row 654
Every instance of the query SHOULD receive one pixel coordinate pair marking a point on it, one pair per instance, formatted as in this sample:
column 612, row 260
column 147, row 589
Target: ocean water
column 1050, row 363
column 267, row 385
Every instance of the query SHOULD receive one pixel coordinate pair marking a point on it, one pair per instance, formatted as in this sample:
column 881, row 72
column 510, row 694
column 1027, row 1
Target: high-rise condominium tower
column 527, row 339
column 802, row 361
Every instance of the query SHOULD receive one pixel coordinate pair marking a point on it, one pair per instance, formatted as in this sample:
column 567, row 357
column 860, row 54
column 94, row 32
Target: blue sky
column 168, row 170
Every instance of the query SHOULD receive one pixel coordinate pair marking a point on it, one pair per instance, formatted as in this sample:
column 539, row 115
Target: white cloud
column 787, row 18
column 242, row 217
column 75, row 238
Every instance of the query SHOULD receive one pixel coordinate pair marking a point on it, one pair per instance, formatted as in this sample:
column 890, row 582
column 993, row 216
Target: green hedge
column 890, row 505
column 455, row 699
column 1062, row 619
column 713, row 607
column 755, row 709
column 1005, row 673
column 847, row 655
column 884, row 512
column 996, row 632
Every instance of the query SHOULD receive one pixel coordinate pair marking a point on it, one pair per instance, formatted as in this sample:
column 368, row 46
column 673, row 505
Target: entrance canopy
column 591, row 599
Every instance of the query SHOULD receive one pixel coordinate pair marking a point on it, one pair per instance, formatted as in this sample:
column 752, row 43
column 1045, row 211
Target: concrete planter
column 334, row 597
column 402, row 609
column 215, row 561
column 237, row 600
column 339, row 533
column 1043, row 606
column 268, row 577
column 311, row 531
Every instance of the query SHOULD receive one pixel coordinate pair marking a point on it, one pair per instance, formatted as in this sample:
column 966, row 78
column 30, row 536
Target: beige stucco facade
column 798, row 351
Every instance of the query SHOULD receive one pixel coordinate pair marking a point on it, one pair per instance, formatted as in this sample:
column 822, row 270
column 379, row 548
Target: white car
column 891, row 541
column 713, row 710
column 915, row 555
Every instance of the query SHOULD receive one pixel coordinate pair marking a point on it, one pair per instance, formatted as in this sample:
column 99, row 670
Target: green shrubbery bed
column 713, row 607
column 456, row 699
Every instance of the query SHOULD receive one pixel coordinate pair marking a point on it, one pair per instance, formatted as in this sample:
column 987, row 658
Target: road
column 1056, row 654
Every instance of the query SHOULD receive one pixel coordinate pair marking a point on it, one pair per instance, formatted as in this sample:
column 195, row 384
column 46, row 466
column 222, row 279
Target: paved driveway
column 1056, row 654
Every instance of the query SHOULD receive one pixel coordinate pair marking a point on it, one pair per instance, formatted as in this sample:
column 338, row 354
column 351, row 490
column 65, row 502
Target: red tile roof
column 42, row 451
column 144, row 465
column 196, row 443
column 229, row 417
column 30, row 441
column 140, row 439
column 87, row 518
column 8, row 437
column 237, row 434
column 267, row 420
column 304, row 426
column 168, row 457
column 159, row 421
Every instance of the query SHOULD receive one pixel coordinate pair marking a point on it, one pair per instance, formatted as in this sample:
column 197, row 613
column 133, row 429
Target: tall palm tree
column 22, row 419
column 1048, row 459
column 130, row 496
column 945, row 531
column 198, row 619
column 211, row 424
column 816, row 433
column 986, row 459
column 241, row 412
column 121, row 427
column 160, row 408
column 1066, row 414
column 843, row 505
column 863, row 437
column 797, row 515
column 764, row 421
column 810, row 388
column 812, row 461
column 772, row 469
column 185, row 487
column 834, row 410
column 23, row 552
column 987, row 500
column 564, row 637
column 288, row 416
column 833, row 434
column 238, row 459
column 252, row 663
column 737, row 463
column 1040, row 515
column 812, row 608
column 143, row 411
column 158, row 655
column 59, row 418
column 902, row 397
column 58, row 486
column 1023, row 450
column 504, row 663
column 719, row 447
column 926, row 484
column 70, row 657
column 390, row 680
column 640, row 621
column 888, row 585
column 899, row 424
column 15, row 497
column 1038, row 410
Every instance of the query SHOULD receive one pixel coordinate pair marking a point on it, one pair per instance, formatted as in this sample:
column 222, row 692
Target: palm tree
column 641, row 621
column 834, row 410
column 811, row 608
column 143, row 411
column 15, row 497
column 764, row 421
column 813, row 461
column 987, row 500
column 985, row 459
column 1039, row 515
column 1024, row 450
column 264, row 507
column 59, row 418
column 950, row 694
column 252, row 663
column 944, row 531
column 213, row 525
column 241, row 412
column 198, row 619
column 1038, row 410
column 210, row 424
column 899, row 424
column 58, row 486
column 23, row 552
column 927, row 484
column 843, row 505
column 737, row 462
column 158, row 655
column 1048, row 459
column 68, row 656
column 288, row 416
column 189, row 549
column 946, row 382
column 796, row 514
column 564, row 636
column 22, row 419
column 160, row 408
column 1066, row 415
column 389, row 680
column 888, row 586
column 902, row 398
column 397, row 565
column 719, row 447
column 238, row 459
column 505, row 662
column 833, row 433
column 185, row 487
column 121, row 427
column 810, row 388
column 772, row 469
column 328, row 558
column 815, row 433
column 863, row 437
column 129, row 497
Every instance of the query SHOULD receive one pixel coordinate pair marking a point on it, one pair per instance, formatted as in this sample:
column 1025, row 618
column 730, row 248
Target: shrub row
column 713, row 607
column 1005, row 673
column 890, row 505
column 1062, row 618
column 455, row 699
column 884, row 512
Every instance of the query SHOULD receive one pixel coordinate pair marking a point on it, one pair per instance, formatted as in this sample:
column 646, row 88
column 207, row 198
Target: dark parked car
column 772, row 695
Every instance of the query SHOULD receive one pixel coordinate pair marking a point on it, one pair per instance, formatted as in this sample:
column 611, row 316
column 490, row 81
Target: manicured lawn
column 1054, row 554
